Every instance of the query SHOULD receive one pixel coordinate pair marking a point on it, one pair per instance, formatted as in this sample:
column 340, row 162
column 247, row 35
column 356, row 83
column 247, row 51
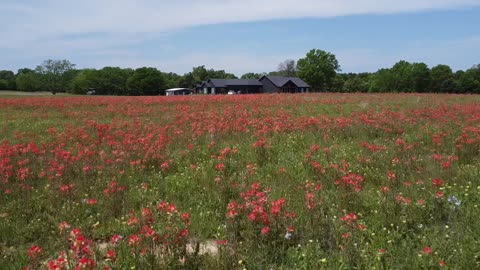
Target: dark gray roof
column 206, row 84
column 280, row 81
column 234, row 82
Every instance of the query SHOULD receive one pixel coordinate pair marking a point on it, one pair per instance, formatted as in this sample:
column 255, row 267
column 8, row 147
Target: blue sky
column 238, row 35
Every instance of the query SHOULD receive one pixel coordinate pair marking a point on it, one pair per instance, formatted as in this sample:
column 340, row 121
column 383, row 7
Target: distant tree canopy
column 56, row 74
column 7, row 80
column 252, row 75
column 146, row 82
column 318, row 68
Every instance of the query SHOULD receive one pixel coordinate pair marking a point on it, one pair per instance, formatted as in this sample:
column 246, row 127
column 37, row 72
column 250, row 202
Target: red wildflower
column 111, row 255
column 220, row 167
column 437, row 182
column 186, row 218
column 34, row 252
column 183, row 233
column 134, row 240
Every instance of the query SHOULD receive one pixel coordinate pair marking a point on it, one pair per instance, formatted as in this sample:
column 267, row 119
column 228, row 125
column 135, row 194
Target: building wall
column 268, row 86
column 246, row 89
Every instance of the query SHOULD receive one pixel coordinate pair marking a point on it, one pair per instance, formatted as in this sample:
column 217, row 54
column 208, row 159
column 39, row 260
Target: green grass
column 325, row 155
column 14, row 93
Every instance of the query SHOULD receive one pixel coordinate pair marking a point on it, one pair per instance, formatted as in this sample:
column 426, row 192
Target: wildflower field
column 314, row 181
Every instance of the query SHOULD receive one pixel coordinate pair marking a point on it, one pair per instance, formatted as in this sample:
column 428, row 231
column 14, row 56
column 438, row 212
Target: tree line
column 318, row 68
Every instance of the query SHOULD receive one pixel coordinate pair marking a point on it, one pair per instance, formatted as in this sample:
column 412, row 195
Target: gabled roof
column 206, row 83
column 222, row 83
column 280, row 81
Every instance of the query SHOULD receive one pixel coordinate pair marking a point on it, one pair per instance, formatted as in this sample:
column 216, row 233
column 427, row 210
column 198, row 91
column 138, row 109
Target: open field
column 13, row 93
column 316, row 181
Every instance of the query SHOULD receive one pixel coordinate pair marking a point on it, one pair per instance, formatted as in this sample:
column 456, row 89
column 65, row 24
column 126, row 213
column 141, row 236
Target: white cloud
column 351, row 59
column 45, row 28
column 53, row 18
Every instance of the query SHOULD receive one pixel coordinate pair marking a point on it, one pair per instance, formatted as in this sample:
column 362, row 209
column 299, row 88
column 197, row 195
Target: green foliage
column 172, row 80
column 7, row 80
column 56, row 74
column 31, row 81
column 442, row 77
column 123, row 161
column 318, row 68
column 146, row 81
column 355, row 85
column 252, row 75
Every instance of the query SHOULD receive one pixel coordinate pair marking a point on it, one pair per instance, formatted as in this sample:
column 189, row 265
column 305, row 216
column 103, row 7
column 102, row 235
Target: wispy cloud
column 56, row 28
column 56, row 17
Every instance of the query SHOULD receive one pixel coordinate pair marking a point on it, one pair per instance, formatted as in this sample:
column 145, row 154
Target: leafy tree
column 442, row 78
column 355, row 85
column 112, row 81
column 54, row 74
column 187, row 81
column 382, row 81
column 31, row 81
column 287, row 68
column 146, row 81
column 467, row 81
column 200, row 74
column 84, row 81
column 220, row 74
column 318, row 68
column 172, row 80
column 420, row 77
column 7, row 80
column 24, row 70
column 252, row 75
column 338, row 83
column 402, row 77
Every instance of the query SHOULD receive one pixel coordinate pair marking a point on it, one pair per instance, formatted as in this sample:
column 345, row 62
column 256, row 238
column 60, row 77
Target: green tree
column 468, row 81
column 187, row 80
column 7, row 80
column 24, row 70
column 200, row 74
column 338, row 83
column 382, row 81
column 402, row 77
column 146, row 81
column 220, row 74
column 355, row 85
column 112, row 81
column 420, row 77
column 54, row 73
column 30, row 82
column 84, row 81
column 441, row 79
column 318, row 68
column 172, row 80
column 252, row 75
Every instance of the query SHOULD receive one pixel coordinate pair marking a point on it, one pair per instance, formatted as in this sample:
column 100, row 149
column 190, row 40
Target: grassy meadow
column 314, row 181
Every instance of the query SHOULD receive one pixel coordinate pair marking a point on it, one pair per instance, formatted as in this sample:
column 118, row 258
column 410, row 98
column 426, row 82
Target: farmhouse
column 222, row 86
column 266, row 84
column 280, row 84
column 178, row 91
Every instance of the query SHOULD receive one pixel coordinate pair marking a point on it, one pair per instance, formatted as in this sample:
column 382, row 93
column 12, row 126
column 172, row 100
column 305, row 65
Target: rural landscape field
column 307, row 181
